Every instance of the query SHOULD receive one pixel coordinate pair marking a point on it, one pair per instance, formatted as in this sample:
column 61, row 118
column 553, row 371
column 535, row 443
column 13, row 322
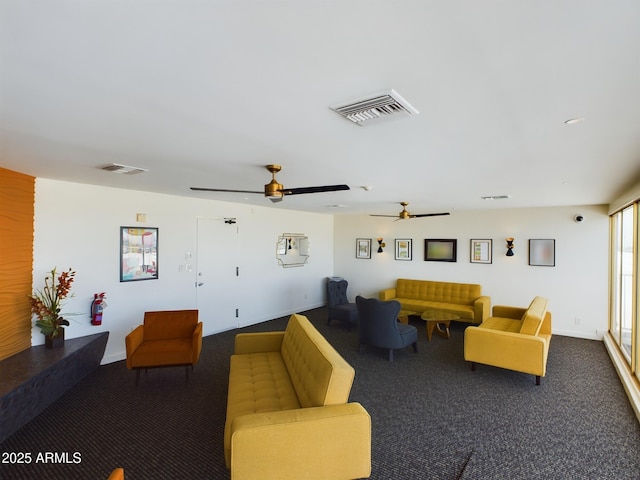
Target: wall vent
column 371, row 109
column 496, row 197
column 117, row 168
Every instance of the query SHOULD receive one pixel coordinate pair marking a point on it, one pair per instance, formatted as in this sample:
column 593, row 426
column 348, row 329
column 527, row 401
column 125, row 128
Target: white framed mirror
column 292, row 249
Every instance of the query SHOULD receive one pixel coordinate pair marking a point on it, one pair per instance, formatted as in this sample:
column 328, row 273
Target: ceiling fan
column 404, row 214
column 275, row 191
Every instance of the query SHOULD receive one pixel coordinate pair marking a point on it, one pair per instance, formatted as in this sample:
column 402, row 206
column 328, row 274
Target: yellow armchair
column 166, row 338
column 513, row 338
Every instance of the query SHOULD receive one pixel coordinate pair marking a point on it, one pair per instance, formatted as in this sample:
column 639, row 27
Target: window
column 623, row 323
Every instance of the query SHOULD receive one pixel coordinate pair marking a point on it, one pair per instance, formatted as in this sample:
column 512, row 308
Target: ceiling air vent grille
column 496, row 197
column 117, row 168
column 380, row 106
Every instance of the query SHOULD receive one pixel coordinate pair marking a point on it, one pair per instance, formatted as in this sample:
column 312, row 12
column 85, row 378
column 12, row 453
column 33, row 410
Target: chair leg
column 473, row 366
column 137, row 376
column 537, row 379
column 415, row 347
column 391, row 354
column 187, row 372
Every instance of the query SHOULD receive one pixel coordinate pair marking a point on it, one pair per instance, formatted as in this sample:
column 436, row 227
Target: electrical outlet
column 577, row 320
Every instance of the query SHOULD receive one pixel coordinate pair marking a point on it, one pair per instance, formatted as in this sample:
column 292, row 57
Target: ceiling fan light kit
column 273, row 189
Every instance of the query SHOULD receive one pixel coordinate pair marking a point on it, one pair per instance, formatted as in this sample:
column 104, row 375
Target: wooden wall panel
column 17, row 195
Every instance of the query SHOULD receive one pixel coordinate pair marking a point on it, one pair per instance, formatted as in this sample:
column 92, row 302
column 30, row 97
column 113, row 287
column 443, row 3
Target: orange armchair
column 166, row 339
column 117, row 474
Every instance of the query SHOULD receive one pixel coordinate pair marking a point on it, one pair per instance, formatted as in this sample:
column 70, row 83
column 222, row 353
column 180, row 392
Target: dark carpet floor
column 432, row 418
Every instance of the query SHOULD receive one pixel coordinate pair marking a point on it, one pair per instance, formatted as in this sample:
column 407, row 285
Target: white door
column 217, row 274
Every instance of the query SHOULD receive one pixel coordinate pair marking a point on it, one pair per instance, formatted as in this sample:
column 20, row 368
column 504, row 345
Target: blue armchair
column 338, row 305
column 378, row 326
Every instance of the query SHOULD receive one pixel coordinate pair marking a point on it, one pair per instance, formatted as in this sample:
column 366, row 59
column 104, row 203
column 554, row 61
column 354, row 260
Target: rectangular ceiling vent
column 371, row 109
column 496, row 197
column 125, row 169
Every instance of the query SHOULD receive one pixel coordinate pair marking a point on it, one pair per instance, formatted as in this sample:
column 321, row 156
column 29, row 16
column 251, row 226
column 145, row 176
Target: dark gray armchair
column 378, row 326
column 338, row 305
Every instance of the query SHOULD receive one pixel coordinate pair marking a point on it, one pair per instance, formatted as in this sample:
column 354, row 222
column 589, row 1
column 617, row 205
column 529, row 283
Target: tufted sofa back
column 460, row 293
column 320, row 376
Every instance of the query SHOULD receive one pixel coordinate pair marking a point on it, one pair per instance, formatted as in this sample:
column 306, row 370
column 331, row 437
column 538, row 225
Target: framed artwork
column 403, row 249
column 138, row 254
column 363, row 248
column 542, row 252
column 440, row 250
column 481, row 250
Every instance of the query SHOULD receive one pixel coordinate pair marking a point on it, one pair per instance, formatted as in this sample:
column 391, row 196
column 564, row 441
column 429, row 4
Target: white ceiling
column 205, row 93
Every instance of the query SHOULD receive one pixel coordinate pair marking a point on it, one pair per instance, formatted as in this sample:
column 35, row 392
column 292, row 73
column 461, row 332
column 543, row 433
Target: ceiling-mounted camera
column 579, row 218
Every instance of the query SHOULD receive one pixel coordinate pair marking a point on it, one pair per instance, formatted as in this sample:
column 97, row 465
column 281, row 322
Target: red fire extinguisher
column 97, row 306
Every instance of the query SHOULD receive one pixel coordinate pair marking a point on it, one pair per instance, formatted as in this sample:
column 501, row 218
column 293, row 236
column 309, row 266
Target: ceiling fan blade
column 390, row 216
column 325, row 188
column 203, row 189
column 429, row 215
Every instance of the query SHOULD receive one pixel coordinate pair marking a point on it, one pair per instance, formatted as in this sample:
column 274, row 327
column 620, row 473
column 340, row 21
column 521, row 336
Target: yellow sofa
column 166, row 338
column 288, row 415
column 463, row 299
column 513, row 338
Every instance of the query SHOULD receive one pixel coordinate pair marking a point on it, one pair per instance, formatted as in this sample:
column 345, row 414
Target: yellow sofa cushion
column 261, row 384
column 319, row 443
column 532, row 318
column 447, row 292
column 320, row 376
column 503, row 324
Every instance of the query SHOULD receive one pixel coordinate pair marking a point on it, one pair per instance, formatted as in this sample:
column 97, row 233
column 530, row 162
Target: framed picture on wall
column 542, row 252
column 363, row 248
column 440, row 250
column 138, row 254
column 481, row 250
column 403, row 249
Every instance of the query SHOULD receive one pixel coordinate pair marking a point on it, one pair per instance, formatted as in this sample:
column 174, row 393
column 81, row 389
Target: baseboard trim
column 629, row 381
column 572, row 333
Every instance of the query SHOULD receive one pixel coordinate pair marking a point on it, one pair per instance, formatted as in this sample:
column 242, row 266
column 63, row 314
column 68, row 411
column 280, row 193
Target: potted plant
column 46, row 304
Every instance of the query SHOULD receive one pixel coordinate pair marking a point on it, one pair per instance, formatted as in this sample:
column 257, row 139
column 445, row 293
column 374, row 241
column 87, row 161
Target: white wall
column 78, row 226
column 577, row 287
